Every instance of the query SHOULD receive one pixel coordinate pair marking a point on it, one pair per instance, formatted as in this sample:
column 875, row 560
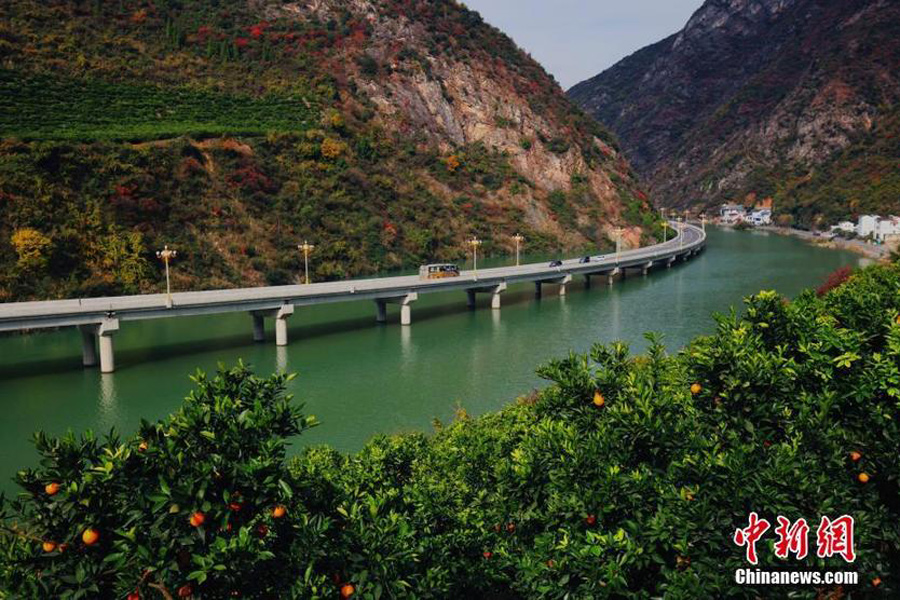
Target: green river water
column 360, row 378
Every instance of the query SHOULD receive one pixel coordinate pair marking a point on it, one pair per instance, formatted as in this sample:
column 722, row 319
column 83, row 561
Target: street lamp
column 618, row 231
column 165, row 255
column 307, row 248
column 475, row 242
column 519, row 239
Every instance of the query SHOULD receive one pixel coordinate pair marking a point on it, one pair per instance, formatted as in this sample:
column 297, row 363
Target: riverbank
column 857, row 246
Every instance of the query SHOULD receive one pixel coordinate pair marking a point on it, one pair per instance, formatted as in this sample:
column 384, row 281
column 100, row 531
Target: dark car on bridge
column 584, row 259
column 555, row 263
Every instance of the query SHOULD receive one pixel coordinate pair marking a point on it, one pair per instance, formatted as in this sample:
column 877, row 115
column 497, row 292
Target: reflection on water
column 359, row 378
column 108, row 413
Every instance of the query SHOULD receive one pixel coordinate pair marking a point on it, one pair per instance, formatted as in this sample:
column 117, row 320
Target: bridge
column 100, row 318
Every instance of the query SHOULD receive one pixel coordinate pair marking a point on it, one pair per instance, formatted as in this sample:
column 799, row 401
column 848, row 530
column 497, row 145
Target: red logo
column 792, row 538
column 750, row 535
column 833, row 537
column 836, row 537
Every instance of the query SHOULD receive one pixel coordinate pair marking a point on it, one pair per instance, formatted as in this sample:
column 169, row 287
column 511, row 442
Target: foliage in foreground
column 561, row 495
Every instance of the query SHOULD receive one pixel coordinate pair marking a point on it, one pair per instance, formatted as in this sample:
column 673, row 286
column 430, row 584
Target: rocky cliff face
column 762, row 97
column 389, row 131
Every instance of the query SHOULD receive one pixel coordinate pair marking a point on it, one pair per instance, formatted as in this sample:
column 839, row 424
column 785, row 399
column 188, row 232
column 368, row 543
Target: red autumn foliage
column 257, row 30
column 139, row 16
column 249, row 179
column 241, row 42
column 836, row 279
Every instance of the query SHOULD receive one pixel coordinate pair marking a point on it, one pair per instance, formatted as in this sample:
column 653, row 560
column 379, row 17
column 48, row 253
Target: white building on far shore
column 760, row 216
column 844, row 226
column 887, row 228
column 867, row 225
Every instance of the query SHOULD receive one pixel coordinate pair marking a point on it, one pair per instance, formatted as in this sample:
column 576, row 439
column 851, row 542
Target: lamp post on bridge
column 618, row 231
column 519, row 239
column 166, row 255
column 307, row 248
column 665, row 224
column 474, row 243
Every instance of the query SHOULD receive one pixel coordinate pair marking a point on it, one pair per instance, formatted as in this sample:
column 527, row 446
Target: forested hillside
column 384, row 131
column 793, row 99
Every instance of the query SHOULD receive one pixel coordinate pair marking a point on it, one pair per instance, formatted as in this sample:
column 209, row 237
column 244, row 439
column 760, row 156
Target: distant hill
column 794, row 99
column 386, row 132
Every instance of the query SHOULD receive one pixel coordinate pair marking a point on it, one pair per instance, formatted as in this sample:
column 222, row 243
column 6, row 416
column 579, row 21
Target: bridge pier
column 89, row 356
column 405, row 309
column 669, row 262
column 537, row 289
column 105, row 332
column 611, row 276
column 646, row 268
column 587, row 281
column 281, row 330
column 493, row 290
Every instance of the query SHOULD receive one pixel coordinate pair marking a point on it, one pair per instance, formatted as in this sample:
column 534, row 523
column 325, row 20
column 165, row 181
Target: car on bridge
column 438, row 271
column 556, row 263
column 584, row 260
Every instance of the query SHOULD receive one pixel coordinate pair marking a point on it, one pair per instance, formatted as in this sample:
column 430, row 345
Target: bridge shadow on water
column 127, row 357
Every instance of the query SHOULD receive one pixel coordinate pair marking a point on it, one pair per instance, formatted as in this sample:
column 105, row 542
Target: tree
column 33, row 249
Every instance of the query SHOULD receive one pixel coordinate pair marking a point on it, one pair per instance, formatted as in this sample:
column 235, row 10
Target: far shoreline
column 837, row 243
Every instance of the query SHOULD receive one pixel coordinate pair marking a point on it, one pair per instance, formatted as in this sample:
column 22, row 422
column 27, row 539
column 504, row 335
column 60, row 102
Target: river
column 360, row 378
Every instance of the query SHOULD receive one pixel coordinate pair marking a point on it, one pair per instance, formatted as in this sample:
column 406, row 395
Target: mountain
column 791, row 99
column 386, row 132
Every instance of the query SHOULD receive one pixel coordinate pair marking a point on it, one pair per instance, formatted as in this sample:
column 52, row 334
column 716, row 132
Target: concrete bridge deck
column 99, row 318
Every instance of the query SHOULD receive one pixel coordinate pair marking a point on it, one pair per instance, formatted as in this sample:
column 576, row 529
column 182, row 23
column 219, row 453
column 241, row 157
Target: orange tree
column 189, row 506
column 790, row 409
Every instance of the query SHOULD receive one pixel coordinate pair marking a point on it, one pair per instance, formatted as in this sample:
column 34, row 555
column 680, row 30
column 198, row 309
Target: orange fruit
column 855, row 456
column 487, row 554
column 599, row 400
column 551, row 563
column 143, row 446
column 49, row 547
column 235, row 506
column 197, row 519
column 347, row 590
column 863, row 477
column 90, row 536
column 876, row 582
column 511, row 527
column 591, row 520
column 62, row 547
column 695, row 388
column 51, row 488
column 185, row 591
column 278, row 512
column 134, row 596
